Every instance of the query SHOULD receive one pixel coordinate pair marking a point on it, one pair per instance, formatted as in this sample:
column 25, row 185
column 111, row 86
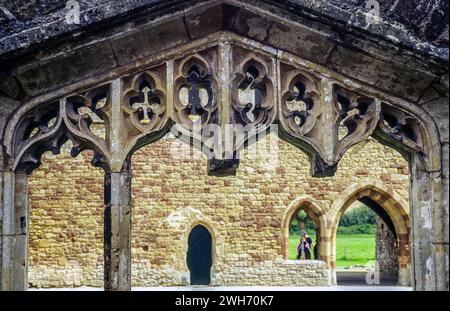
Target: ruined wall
column 171, row 195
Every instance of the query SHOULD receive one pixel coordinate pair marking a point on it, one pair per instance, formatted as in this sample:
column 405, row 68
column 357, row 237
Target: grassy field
column 360, row 249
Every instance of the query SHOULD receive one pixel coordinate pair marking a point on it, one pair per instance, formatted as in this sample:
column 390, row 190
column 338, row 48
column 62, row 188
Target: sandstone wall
column 244, row 214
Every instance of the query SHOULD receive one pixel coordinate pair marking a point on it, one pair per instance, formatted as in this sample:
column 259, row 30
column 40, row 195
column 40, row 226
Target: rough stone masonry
column 245, row 211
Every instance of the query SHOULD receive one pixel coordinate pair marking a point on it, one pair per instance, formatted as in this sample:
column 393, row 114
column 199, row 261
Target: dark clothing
column 304, row 249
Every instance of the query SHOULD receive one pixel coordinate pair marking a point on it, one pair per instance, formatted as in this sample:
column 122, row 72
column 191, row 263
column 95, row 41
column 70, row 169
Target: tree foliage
column 361, row 215
column 360, row 220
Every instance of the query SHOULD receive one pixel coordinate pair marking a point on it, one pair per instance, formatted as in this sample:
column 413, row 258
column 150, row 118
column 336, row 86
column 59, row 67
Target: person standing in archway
column 304, row 246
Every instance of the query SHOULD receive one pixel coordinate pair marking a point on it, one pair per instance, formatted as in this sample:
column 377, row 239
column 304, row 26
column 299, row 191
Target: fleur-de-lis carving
column 195, row 93
column 195, row 96
column 145, row 103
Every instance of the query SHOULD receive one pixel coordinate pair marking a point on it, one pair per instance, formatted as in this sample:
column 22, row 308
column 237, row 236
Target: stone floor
column 348, row 280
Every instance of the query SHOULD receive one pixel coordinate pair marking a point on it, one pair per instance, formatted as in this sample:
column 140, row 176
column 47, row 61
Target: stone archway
column 396, row 209
column 307, row 97
column 317, row 214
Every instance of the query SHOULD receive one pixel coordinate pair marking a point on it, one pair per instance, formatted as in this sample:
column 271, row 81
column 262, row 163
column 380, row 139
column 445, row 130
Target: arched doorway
column 392, row 213
column 199, row 255
column 366, row 241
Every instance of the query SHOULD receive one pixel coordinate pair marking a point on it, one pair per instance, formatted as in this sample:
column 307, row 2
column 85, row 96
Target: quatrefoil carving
column 195, row 94
column 301, row 105
column 144, row 102
column 252, row 95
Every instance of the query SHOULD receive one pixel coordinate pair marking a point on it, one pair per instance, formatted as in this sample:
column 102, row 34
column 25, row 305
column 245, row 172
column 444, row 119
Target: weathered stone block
column 69, row 66
column 296, row 39
column 205, row 21
column 391, row 77
column 150, row 40
column 438, row 108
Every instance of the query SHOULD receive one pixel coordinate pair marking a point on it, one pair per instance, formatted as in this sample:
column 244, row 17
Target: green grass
column 360, row 249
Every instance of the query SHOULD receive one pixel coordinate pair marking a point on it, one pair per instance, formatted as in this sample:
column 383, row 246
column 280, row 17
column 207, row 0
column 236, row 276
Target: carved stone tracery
column 144, row 102
column 145, row 111
column 253, row 99
column 252, row 90
column 315, row 112
column 195, row 98
column 301, row 104
column 405, row 133
column 323, row 117
column 195, row 106
column 320, row 113
column 40, row 130
column 79, row 113
column 358, row 116
column 401, row 127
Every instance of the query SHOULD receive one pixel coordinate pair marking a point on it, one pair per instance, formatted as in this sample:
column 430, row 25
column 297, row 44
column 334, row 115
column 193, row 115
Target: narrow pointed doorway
column 199, row 255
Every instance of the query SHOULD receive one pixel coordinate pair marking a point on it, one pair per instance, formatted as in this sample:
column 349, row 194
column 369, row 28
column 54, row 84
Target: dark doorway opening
column 199, row 256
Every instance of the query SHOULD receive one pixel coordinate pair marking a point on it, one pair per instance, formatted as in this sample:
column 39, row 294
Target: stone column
column 445, row 216
column 14, row 232
column 117, row 231
column 1, row 220
column 435, row 102
column 427, row 229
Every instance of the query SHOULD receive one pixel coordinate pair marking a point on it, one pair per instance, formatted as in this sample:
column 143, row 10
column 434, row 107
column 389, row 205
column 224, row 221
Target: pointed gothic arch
column 396, row 210
column 317, row 214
